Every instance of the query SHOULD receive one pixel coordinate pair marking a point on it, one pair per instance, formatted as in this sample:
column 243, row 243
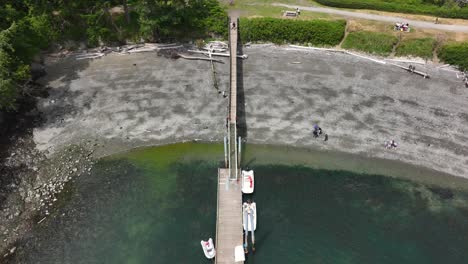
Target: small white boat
column 249, row 213
column 247, row 181
column 208, row 248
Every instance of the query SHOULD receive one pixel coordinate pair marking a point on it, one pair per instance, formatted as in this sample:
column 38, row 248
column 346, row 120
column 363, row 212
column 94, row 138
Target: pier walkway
column 229, row 212
column 229, row 219
column 232, row 126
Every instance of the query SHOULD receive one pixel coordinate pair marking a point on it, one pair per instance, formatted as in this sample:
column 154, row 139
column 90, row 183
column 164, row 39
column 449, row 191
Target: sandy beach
column 145, row 99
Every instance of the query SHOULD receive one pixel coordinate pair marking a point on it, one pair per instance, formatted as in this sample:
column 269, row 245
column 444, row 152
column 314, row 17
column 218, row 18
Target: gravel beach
column 144, row 99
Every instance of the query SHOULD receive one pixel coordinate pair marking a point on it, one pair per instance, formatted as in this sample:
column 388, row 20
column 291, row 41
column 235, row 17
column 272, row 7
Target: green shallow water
column 154, row 205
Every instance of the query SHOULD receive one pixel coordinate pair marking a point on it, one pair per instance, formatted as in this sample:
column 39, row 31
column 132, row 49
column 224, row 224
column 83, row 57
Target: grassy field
column 422, row 48
column 455, row 54
column 446, row 8
column 378, row 37
column 315, row 32
column 264, row 8
column 370, row 42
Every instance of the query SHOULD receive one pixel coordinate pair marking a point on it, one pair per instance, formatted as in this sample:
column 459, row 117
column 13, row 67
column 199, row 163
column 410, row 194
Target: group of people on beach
column 391, row 144
column 318, row 132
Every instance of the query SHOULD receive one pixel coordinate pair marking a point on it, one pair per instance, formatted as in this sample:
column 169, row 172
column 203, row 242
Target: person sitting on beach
column 391, row 144
column 317, row 130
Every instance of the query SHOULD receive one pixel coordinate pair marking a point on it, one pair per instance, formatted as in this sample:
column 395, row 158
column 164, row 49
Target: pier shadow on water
column 241, row 114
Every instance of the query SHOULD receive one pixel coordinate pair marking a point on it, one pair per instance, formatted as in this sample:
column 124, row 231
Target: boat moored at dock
column 249, row 213
column 248, row 181
column 208, row 248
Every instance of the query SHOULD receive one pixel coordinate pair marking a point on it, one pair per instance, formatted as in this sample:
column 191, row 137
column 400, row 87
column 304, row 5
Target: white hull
column 248, row 181
column 249, row 217
column 208, row 248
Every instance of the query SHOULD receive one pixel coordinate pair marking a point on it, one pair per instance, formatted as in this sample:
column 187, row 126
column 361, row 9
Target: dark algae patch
column 154, row 205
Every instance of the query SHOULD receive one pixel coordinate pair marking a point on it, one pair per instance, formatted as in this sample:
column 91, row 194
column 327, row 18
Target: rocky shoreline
column 35, row 187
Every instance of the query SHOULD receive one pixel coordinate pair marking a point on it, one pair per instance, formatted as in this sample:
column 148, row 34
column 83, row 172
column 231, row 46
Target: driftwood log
column 198, row 58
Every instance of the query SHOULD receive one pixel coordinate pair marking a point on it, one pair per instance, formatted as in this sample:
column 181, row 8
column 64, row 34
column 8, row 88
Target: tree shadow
column 16, row 127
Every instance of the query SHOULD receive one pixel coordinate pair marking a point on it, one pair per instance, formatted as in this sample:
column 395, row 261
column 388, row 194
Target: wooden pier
column 233, row 78
column 229, row 232
column 232, row 115
column 229, row 218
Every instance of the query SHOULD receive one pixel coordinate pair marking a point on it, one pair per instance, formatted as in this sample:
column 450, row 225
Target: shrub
column 455, row 54
column 372, row 42
column 279, row 31
column 448, row 10
column 416, row 47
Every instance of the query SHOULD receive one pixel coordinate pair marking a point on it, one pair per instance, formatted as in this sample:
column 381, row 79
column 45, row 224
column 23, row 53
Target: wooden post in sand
column 225, row 153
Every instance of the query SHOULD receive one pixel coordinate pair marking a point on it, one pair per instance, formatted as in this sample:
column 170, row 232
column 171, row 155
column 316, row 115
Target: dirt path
column 390, row 19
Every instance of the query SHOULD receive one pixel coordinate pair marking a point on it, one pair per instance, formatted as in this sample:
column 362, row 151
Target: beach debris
column 243, row 56
column 412, row 69
column 464, row 76
column 93, row 55
column 217, row 46
column 303, row 48
column 198, row 58
column 126, row 49
column 10, row 252
column 211, row 47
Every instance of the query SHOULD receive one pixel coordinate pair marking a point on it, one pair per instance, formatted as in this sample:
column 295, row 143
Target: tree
column 8, row 94
column 27, row 26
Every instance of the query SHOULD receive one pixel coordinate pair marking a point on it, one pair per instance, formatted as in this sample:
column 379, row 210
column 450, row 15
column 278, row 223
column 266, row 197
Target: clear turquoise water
column 155, row 205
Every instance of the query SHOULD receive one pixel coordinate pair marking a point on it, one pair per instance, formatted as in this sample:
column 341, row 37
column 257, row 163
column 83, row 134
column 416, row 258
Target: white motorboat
column 208, row 248
column 249, row 213
column 247, row 181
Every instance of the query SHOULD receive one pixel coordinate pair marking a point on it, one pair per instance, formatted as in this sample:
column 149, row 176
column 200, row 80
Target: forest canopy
column 28, row 26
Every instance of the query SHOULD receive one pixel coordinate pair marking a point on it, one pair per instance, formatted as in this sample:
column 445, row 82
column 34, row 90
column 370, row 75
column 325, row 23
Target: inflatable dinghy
column 208, row 248
column 247, row 181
